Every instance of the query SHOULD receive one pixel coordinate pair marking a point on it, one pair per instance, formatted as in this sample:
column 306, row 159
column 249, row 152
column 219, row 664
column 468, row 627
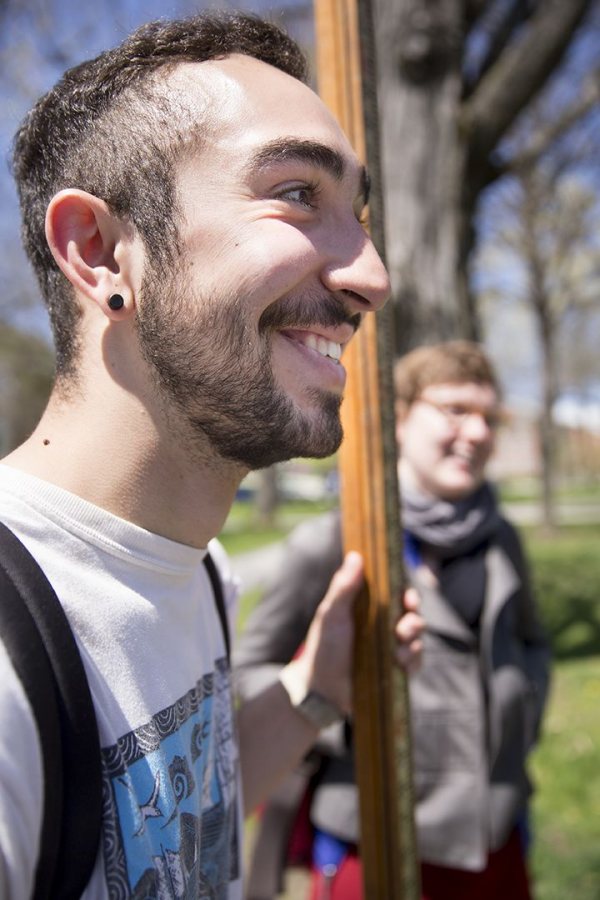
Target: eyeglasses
column 457, row 413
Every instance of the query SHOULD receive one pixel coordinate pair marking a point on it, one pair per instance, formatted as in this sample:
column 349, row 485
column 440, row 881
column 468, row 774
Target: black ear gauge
column 116, row 302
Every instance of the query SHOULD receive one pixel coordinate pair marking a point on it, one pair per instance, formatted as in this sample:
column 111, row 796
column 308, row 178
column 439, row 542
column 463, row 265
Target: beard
column 208, row 360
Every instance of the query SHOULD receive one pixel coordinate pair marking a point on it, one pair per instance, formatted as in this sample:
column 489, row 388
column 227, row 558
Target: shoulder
column 318, row 538
column 511, row 545
column 509, row 539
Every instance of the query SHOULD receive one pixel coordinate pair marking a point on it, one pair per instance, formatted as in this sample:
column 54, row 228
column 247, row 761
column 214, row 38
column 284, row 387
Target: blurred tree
column 579, row 362
column 455, row 75
column 267, row 496
column 26, row 371
column 547, row 237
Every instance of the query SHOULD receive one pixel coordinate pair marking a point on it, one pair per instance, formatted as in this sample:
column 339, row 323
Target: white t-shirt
column 143, row 612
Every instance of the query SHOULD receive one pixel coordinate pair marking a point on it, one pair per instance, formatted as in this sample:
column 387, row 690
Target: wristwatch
column 319, row 711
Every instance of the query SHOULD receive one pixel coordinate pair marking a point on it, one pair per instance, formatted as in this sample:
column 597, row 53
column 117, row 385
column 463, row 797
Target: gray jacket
column 476, row 704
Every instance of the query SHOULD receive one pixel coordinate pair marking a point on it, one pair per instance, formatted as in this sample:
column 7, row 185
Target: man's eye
column 304, row 194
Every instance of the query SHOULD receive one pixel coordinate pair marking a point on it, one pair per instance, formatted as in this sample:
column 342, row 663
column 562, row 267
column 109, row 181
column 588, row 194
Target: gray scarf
column 456, row 535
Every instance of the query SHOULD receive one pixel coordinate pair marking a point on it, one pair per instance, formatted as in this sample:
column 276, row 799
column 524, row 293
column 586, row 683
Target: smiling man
column 192, row 212
column 277, row 270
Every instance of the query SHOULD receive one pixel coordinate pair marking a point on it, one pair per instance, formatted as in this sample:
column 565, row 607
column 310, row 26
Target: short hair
column 107, row 129
column 452, row 362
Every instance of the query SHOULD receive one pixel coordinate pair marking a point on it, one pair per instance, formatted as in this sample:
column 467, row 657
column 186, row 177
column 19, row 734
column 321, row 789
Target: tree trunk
column 546, row 422
column 548, row 435
column 439, row 145
column 267, row 496
column 419, row 53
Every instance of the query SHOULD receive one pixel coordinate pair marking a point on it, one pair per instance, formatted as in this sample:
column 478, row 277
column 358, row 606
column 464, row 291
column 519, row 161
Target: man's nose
column 476, row 427
column 357, row 270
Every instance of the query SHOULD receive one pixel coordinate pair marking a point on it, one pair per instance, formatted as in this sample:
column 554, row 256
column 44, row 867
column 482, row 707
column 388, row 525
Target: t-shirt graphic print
column 171, row 817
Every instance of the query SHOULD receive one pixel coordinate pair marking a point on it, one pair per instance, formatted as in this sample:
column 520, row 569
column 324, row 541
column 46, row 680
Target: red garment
column 505, row 877
column 299, row 850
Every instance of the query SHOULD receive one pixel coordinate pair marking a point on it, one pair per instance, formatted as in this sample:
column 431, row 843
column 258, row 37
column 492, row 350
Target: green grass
column 243, row 513
column 243, row 531
column 586, row 490
column 244, row 541
column 566, row 850
column 566, row 770
column 566, row 576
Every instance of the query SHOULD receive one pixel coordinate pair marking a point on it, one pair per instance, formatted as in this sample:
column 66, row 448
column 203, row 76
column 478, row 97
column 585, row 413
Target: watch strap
column 314, row 707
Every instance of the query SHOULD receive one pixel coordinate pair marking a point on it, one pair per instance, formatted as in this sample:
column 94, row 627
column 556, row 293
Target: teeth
column 334, row 351
column 323, row 346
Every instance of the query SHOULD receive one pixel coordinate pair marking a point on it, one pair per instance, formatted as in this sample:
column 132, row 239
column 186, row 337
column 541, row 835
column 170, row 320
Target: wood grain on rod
column 370, row 507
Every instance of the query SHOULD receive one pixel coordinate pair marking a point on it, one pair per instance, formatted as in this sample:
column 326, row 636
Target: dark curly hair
column 107, row 128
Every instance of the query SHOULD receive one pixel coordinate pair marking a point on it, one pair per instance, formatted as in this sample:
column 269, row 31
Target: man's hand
column 325, row 664
column 273, row 735
column 409, row 629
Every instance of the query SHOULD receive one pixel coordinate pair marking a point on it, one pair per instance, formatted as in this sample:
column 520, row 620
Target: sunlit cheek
column 282, row 252
column 209, row 243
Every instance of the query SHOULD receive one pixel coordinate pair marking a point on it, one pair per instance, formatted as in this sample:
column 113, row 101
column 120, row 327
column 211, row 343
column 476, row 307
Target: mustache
column 307, row 311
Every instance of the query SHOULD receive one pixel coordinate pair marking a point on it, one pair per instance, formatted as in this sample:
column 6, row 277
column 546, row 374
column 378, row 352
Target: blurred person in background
column 478, row 698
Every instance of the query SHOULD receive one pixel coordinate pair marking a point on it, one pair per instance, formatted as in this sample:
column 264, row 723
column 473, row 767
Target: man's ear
column 86, row 240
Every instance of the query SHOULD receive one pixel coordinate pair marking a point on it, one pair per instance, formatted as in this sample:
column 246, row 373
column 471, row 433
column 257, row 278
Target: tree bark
column 547, row 428
column 419, row 55
column 542, row 308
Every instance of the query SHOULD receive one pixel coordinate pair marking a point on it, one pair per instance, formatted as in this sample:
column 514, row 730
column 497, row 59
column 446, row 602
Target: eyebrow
column 312, row 152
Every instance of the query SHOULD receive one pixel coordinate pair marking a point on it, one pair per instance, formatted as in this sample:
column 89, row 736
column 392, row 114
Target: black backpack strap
column 42, row 648
column 217, row 586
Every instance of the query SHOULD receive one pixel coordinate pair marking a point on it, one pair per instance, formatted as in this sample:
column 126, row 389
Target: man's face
column 446, row 439
column 276, row 268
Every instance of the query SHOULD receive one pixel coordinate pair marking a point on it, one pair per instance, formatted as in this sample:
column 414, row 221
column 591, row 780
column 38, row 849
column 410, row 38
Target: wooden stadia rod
column 370, row 503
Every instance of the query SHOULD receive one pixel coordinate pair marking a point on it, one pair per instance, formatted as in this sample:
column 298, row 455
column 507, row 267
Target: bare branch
column 500, row 26
column 474, row 10
column 549, row 131
column 519, row 74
